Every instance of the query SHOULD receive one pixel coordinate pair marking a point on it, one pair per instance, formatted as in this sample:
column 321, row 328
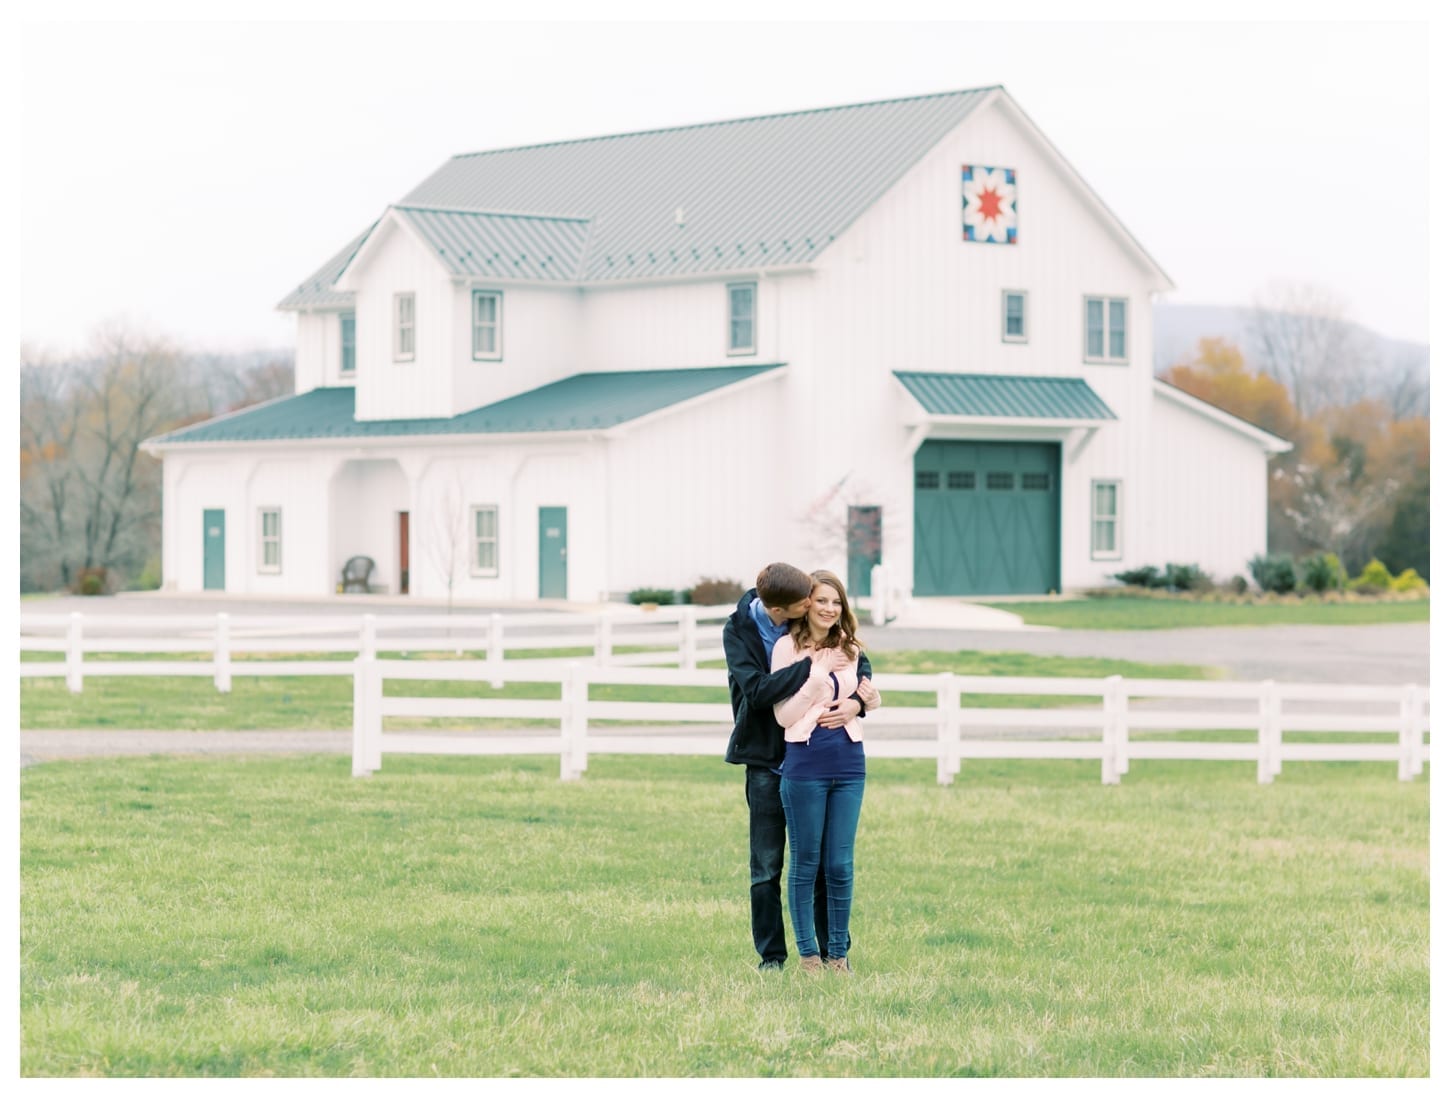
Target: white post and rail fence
column 946, row 732
column 1095, row 721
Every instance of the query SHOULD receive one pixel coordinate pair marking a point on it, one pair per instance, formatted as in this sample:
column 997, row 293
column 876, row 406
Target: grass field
column 307, row 704
column 478, row 917
column 1132, row 613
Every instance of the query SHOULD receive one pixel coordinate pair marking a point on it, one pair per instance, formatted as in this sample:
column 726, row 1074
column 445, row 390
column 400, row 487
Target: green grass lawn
column 311, row 704
column 1134, row 613
column 478, row 917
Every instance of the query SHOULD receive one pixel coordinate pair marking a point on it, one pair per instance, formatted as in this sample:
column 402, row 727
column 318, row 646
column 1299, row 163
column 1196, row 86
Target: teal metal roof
column 720, row 196
column 584, row 402
column 1001, row 396
column 502, row 245
column 316, row 289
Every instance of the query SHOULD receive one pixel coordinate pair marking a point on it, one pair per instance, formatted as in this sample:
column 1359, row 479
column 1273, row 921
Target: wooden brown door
column 402, row 552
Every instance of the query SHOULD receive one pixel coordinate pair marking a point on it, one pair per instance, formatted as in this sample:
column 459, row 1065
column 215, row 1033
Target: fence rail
column 1110, row 709
column 669, row 635
column 1110, row 720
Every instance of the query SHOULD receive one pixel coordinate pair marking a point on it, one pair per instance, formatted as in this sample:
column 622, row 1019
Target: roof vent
column 680, row 217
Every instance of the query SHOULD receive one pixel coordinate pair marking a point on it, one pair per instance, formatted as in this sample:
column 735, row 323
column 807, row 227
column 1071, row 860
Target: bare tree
column 449, row 547
column 1405, row 383
column 1299, row 335
column 827, row 527
column 90, row 499
column 1336, row 508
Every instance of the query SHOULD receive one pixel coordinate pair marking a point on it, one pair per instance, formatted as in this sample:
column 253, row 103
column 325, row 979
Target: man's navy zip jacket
column 757, row 739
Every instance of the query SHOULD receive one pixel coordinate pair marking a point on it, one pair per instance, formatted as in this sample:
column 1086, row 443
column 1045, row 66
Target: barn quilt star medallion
column 989, row 204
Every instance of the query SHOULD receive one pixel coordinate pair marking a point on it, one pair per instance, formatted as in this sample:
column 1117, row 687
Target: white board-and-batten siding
column 1206, row 501
column 901, row 290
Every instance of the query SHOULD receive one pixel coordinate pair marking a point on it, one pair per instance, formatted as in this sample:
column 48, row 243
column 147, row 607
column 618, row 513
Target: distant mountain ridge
column 1178, row 328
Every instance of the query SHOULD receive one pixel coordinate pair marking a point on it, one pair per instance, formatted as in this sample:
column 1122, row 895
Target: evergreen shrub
column 661, row 595
column 1273, row 572
column 1323, row 572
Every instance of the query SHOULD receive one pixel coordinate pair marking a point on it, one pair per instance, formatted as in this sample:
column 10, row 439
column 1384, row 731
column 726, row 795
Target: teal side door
column 987, row 518
column 863, row 549
column 553, row 552
column 214, row 550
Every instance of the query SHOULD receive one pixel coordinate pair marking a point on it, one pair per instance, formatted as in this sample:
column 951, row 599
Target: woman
column 824, row 773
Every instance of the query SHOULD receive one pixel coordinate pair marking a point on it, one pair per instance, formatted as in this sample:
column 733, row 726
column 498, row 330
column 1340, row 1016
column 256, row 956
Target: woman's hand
column 867, row 692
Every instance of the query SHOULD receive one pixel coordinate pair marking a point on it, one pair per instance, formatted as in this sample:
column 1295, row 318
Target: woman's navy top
column 830, row 753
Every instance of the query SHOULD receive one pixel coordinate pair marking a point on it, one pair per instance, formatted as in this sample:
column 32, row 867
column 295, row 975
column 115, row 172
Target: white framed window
column 1107, row 513
column 1105, row 329
column 404, row 327
column 741, row 337
column 487, row 324
column 347, row 339
column 269, row 547
column 1014, row 316
column 483, row 522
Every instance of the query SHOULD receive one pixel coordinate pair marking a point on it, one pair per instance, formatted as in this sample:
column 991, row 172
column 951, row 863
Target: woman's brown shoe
column 838, row 964
column 813, row 963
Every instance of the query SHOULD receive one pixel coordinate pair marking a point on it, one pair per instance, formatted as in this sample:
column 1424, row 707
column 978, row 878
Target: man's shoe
column 813, row 963
column 839, row 964
column 770, row 966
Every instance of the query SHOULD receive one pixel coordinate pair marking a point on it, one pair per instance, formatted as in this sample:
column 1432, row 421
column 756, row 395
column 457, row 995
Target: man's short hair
column 782, row 585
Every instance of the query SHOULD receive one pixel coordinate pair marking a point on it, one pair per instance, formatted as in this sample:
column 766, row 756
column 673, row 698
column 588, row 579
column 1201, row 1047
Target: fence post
column 948, row 727
column 495, row 650
column 689, row 637
column 360, row 716
column 573, row 726
column 1409, row 728
column 74, row 657
column 604, row 641
column 1112, row 773
column 1276, row 728
column 222, row 661
column 368, row 645
column 878, row 594
column 1267, row 697
column 1417, row 736
column 375, row 715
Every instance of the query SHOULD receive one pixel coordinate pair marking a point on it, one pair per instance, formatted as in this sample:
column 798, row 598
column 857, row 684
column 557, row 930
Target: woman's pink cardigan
column 800, row 713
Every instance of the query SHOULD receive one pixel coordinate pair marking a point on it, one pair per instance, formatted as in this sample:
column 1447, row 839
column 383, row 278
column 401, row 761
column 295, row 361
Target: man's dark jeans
column 767, row 859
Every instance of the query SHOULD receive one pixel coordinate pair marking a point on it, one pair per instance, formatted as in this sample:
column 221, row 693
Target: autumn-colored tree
column 1218, row 375
column 1342, row 484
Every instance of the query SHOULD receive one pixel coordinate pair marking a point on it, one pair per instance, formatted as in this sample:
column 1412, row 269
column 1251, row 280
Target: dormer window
column 742, row 318
column 487, row 324
column 347, row 337
column 404, row 326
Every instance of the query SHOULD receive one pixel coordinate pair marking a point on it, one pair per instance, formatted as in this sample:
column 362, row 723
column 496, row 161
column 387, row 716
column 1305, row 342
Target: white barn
column 903, row 332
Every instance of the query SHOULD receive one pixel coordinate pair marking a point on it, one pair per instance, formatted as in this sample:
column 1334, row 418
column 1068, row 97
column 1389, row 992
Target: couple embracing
column 799, row 686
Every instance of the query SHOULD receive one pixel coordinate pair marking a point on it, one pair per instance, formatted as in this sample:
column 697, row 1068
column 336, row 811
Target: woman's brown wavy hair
column 841, row 635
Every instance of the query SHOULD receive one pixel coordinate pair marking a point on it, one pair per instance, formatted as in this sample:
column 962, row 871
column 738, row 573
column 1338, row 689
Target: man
column 781, row 595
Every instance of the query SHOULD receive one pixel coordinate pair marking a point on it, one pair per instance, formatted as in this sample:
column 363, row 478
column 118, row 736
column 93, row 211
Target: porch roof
column 1000, row 396
column 584, row 402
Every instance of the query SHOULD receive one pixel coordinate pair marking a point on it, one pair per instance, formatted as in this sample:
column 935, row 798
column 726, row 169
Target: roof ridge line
column 487, row 213
column 727, row 121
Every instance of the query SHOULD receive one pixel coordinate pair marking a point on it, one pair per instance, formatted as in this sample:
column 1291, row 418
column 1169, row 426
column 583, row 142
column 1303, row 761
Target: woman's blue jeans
column 820, row 817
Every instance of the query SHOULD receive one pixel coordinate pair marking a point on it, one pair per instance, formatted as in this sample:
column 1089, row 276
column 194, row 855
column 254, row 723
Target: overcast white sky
column 188, row 175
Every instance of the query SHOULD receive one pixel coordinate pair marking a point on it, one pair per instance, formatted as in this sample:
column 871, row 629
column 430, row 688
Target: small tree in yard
column 449, row 545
